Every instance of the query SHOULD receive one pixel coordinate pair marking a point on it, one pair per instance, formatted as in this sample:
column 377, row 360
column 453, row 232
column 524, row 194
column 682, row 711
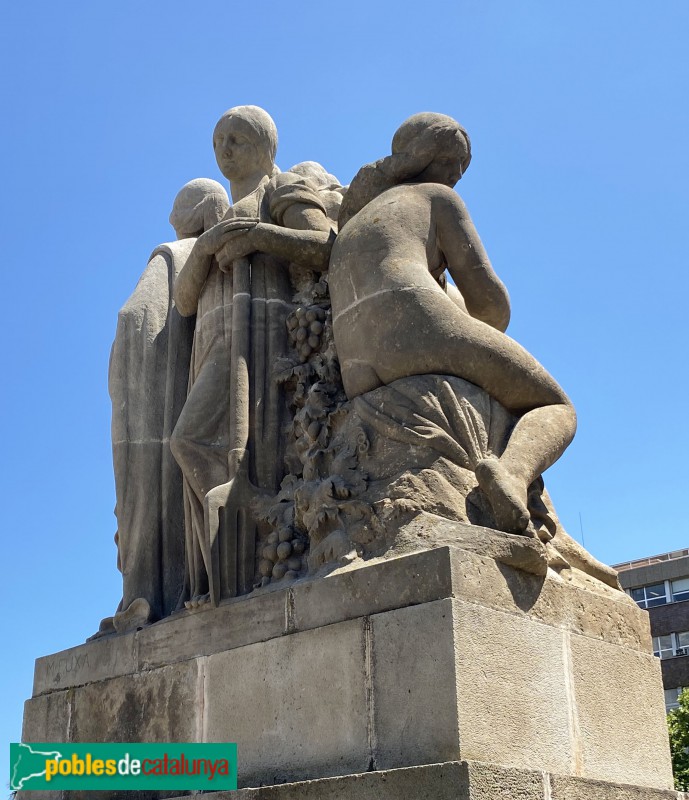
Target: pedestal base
column 453, row 780
column 438, row 656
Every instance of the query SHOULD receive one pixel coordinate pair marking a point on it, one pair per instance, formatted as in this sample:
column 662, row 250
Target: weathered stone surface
column 396, row 583
column 157, row 706
column 436, row 782
column 212, row 630
column 95, row 661
column 47, row 718
column 489, row 782
column 492, row 671
column 564, row 788
column 448, row 781
column 620, row 714
column 558, row 600
column 511, row 690
column 297, row 706
column 414, row 686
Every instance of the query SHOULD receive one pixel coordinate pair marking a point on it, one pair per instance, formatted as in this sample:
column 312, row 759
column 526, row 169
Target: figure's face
column 446, row 166
column 235, row 151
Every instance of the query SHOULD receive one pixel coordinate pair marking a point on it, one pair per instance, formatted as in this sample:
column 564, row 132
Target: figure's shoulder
column 306, row 184
column 443, row 198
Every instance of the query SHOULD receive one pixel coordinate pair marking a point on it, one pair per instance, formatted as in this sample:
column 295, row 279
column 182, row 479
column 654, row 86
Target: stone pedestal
column 437, row 674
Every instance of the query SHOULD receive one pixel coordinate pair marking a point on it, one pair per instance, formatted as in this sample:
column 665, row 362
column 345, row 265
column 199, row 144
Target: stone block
column 213, row 630
column 93, row 661
column 448, row 781
column 620, row 714
column 608, row 615
column 489, row 782
column 47, row 718
column 414, row 686
column 163, row 705
column 396, row 583
column 436, row 782
column 297, row 706
column 565, row 788
column 512, row 694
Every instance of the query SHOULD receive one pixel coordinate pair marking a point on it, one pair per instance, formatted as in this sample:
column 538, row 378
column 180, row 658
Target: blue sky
column 578, row 188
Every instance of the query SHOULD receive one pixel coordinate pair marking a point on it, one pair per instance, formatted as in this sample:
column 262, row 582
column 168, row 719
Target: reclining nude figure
column 401, row 226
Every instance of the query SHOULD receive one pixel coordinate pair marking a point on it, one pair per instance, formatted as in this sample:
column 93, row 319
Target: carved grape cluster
column 305, row 326
column 282, row 555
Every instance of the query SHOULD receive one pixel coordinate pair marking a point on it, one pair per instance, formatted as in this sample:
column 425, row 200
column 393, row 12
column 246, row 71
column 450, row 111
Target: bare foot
column 197, row 601
column 135, row 616
column 505, row 495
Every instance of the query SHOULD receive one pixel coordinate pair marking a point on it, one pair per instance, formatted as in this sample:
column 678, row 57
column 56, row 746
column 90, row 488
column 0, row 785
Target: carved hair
column 259, row 126
column 199, row 205
column 415, row 144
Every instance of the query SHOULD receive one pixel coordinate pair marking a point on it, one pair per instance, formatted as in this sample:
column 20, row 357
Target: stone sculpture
column 149, row 372
column 341, row 388
column 361, row 447
column 392, row 320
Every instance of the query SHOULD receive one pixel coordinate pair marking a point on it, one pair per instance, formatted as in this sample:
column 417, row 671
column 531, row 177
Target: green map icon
column 27, row 764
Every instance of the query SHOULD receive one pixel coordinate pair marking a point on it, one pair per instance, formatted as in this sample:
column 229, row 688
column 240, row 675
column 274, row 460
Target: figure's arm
column 484, row 293
column 307, row 240
column 193, row 275
column 190, row 281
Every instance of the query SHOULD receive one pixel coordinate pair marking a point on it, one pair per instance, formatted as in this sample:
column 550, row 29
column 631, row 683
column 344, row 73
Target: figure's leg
column 200, row 445
column 200, row 440
column 539, row 438
column 424, row 332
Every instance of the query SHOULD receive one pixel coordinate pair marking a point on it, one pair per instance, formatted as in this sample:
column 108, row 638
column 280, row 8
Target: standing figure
column 401, row 226
column 245, row 143
column 149, row 373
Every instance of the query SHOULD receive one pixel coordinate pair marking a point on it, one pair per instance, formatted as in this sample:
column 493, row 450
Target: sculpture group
column 295, row 377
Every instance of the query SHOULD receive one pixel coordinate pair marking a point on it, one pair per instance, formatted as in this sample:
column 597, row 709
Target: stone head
column 199, row 205
column 437, row 142
column 245, row 141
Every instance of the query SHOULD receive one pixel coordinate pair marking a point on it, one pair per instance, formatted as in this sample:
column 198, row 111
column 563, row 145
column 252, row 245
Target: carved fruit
column 279, row 570
column 270, row 552
column 305, row 351
column 311, row 315
column 285, row 534
column 291, row 575
column 316, row 327
column 302, row 334
column 314, row 341
column 314, row 429
column 265, row 568
column 273, row 537
column 292, row 323
column 284, row 550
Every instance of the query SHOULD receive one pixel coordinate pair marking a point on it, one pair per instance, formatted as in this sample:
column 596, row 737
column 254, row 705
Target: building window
column 658, row 594
column 650, row 596
column 672, row 698
column 680, row 590
column 673, row 644
column 664, row 646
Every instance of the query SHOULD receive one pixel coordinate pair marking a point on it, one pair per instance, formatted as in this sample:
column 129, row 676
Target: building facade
column 660, row 584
